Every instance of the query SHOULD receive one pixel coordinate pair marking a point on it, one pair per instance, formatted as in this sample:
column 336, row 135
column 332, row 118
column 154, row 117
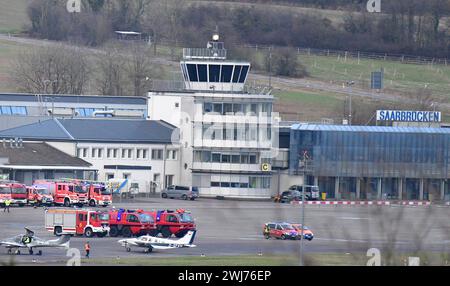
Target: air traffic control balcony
column 209, row 70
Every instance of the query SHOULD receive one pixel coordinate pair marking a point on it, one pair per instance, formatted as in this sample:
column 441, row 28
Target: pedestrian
column 87, row 248
column 7, row 204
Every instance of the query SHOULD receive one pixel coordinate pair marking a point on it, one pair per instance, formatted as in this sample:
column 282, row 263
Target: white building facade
column 139, row 151
column 225, row 131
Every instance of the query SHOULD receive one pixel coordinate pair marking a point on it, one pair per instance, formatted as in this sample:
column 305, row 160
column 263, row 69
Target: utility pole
column 270, row 66
column 350, row 84
column 305, row 155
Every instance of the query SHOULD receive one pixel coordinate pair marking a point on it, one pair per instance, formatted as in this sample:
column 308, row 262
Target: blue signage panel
column 376, row 81
column 409, row 116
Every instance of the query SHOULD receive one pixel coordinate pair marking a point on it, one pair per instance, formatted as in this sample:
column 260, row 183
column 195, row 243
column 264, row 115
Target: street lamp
column 349, row 84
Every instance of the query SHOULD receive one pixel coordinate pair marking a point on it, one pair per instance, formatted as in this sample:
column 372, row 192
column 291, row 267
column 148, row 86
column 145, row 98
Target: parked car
column 180, row 192
column 295, row 194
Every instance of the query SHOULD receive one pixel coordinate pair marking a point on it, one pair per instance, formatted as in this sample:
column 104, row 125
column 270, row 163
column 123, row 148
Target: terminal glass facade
column 373, row 162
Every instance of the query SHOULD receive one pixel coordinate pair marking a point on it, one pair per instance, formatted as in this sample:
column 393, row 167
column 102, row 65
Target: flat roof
column 379, row 129
column 94, row 130
column 63, row 98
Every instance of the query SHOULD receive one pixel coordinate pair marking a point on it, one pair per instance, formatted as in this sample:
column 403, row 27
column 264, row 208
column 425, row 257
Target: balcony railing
column 201, row 53
column 167, row 85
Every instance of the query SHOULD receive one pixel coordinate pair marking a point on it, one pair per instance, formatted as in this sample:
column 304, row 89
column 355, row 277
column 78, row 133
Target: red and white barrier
column 365, row 203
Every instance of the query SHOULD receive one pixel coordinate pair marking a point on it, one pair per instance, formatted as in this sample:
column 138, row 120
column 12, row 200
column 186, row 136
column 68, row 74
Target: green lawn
column 8, row 52
column 312, row 259
column 398, row 76
column 13, row 15
column 243, row 260
column 310, row 98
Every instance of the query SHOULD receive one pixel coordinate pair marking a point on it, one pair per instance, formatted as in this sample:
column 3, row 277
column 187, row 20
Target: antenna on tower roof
column 215, row 36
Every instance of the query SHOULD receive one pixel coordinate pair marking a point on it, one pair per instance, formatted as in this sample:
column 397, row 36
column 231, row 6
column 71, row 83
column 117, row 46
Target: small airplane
column 150, row 242
column 30, row 241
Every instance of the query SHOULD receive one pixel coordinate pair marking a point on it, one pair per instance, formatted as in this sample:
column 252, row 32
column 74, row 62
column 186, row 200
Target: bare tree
column 139, row 69
column 111, row 72
column 52, row 69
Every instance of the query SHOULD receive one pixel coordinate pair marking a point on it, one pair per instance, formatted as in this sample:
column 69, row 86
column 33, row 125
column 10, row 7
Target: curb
column 365, row 203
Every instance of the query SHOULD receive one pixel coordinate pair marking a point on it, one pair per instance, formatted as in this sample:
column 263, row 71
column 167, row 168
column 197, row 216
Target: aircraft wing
column 11, row 244
column 63, row 241
column 164, row 247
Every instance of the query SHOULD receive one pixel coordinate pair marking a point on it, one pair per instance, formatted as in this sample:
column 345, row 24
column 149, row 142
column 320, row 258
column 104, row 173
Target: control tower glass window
column 192, row 70
column 237, row 73
column 227, row 70
column 202, row 73
column 214, row 73
column 183, row 69
column 243, row 74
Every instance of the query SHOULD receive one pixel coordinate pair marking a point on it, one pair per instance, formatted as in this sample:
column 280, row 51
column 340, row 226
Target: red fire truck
column 18, row 192
column 130, row 223
column 64, row 192
column 5, row 193
column 96, row 192
column 38, row 196
column 169, row 222
column 78, row 222
column 99, row 195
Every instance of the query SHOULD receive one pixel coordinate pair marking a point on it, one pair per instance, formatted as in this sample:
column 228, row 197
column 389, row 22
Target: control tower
column 225, row 130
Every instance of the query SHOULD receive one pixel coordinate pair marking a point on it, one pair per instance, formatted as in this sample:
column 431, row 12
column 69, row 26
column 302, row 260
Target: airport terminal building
column 372, row 162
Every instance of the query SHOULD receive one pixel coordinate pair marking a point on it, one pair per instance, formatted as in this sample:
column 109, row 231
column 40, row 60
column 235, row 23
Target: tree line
column 414, row 27
column 61, row 69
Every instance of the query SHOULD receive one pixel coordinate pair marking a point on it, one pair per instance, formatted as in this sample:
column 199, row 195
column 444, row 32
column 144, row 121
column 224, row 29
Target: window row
column 215, row 73
column 126, row 153
column 13, row 110
column 214, row 157
column 89, row 112
column 237, row 108
column 253, row 183
column 236, row 132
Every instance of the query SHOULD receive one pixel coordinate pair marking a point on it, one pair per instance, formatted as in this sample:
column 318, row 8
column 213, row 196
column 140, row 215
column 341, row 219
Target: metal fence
column 402, row 58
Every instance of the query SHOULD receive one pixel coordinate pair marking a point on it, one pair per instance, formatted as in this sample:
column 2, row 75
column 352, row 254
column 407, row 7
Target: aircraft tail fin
column 188, row 239
column 63, row 241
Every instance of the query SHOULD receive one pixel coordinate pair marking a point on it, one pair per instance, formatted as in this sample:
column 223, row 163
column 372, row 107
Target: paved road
column 234, row 228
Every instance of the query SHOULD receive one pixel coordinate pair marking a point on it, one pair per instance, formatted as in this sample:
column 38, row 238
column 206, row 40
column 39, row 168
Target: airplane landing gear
column 39, row 253
column 30, row 251
column 128, row 249
column 149, row 250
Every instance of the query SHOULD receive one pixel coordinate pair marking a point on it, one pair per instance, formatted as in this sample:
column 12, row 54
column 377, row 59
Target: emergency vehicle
column 280, row 230
column 97, row 194
column 18, row 192
column 39, row 196
column 64, row 193
column 5, row 193
column 131, row 223
column 307, row 233
column 169, row 222
column 78, row 222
